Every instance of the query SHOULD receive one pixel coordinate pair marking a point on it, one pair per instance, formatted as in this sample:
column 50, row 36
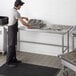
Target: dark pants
column 12, row 42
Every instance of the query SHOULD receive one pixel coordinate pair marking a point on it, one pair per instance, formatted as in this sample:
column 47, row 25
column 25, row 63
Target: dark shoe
column 11, row 65
column 17, row 61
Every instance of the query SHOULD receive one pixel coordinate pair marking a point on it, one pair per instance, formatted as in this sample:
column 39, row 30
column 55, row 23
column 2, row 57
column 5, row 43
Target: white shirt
column 13, row 16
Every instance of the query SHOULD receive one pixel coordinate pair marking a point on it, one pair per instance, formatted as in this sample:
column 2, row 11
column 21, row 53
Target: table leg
column 72, row 42
column 68, row 41
column 63, row 44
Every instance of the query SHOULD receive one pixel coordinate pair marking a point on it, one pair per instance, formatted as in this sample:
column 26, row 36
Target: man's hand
column 29, row 26
column 25, row 23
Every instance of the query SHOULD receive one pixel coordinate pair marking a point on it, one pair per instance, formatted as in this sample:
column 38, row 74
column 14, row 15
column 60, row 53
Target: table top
column 57, row 29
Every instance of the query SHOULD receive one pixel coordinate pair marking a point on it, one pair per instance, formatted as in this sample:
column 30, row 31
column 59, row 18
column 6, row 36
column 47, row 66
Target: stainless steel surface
column 62, row 43
column 73, row 36
column 68, row 41
column 74, row 30
column 73, row 42
column 69, row 60
column 54, row 29
column 3, row 39
column 57, row 29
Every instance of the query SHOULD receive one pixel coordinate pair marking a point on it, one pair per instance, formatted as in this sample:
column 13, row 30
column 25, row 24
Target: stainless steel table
column 69, row 61
column 54, row 29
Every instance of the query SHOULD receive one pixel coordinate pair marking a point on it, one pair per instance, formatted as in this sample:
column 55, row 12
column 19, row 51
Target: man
column 12, row 33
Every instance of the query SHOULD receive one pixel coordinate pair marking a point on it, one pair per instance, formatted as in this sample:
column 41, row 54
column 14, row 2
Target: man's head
column 18, row 4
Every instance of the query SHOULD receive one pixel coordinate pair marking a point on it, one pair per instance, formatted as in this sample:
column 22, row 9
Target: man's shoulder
column 13, row 10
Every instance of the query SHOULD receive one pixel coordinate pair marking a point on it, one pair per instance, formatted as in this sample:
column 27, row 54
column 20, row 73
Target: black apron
column 12, row 42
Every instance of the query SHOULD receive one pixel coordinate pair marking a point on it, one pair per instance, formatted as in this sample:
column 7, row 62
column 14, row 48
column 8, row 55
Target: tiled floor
column 38, row 59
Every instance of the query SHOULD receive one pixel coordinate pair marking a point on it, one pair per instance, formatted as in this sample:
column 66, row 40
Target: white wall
column 5, row 5
column 53, row 11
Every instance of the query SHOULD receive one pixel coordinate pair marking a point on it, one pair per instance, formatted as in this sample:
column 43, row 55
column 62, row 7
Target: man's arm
column 24, row 22
column 25, row 18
